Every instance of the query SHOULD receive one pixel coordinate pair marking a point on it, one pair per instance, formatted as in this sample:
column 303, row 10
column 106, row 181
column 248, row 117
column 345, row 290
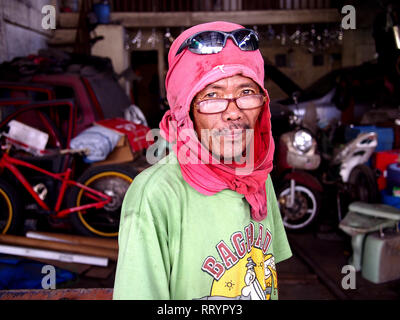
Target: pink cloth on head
column 188, row 74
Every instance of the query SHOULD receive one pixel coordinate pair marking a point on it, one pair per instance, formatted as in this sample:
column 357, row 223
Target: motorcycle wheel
column 363, row 185
column 113, row 180
column 10, row 213
column 305, row 209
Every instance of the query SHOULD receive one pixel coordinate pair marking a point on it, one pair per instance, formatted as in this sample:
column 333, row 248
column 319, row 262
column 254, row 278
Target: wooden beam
column 60, row 246
column 67, row 20
column 53, row 255
column 269, row 17
column 63, row 37
column 74, row 239
column 57, row 294
column 187, row 19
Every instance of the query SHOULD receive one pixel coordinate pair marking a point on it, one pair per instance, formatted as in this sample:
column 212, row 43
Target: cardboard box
column 121, row 153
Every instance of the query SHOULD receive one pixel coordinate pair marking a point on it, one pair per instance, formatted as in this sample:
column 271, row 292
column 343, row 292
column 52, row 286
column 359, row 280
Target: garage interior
column 332, row 71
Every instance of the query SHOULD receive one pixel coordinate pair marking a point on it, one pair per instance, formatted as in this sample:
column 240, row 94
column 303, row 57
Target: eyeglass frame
column 265, row 98
column 186, row 43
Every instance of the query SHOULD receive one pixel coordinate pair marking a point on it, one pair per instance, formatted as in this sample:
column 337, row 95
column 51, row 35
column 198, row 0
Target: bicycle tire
column 10, row 214
column 113, row 179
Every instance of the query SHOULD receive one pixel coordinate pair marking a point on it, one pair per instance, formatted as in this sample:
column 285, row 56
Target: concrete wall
column 21, row 32
column 300, row 66
column 358, row 46
column 113, row 47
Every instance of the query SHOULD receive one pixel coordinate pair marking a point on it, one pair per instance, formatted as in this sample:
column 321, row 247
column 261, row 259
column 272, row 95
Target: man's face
column 226, row 134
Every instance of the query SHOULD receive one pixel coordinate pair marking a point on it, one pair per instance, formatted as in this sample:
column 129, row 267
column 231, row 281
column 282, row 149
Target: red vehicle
column 96, row 96
column 54, row 182
column 58, row 185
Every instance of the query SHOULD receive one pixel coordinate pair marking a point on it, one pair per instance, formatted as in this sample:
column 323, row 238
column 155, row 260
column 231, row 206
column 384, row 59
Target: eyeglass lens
column 220, row 105
column 246, row 40
column 207, row 42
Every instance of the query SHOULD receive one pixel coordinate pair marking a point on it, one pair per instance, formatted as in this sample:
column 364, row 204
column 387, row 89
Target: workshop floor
column 314, row 272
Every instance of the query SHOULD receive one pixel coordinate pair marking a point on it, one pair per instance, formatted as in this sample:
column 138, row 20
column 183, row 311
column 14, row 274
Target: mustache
column 229, row 129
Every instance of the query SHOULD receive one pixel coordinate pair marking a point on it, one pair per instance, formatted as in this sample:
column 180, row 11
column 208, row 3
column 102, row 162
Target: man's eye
column 211, row 95
column 248, row 91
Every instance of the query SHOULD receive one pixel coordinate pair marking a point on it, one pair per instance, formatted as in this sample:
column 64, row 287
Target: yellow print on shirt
column 247, row 273
column 253, row 277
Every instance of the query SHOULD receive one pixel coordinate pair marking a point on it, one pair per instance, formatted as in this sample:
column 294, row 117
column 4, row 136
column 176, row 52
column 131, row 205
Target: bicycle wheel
column 113, row 180
column 9, row 209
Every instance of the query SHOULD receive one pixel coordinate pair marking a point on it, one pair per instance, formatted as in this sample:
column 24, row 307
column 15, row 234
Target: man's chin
column 229, row 156
column 230, row 149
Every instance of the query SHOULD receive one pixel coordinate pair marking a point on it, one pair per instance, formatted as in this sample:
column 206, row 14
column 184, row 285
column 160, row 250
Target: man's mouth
column 234, row 131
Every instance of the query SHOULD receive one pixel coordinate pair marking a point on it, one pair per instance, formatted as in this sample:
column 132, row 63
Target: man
column 200, row 223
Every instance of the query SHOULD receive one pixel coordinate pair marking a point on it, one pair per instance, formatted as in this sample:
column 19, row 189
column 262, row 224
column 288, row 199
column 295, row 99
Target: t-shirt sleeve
column 280, row 243
column 143, row 267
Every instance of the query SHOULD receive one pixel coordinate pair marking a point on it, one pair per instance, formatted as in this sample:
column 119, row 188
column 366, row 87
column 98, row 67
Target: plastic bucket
column 393, row 176
column 102, row 12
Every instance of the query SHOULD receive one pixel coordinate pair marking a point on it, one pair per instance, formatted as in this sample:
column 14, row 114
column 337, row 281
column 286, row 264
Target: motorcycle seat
column 377, row 210
column 355, row 223
column 364, row 218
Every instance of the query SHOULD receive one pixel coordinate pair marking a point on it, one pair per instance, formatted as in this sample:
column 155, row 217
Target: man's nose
column 232, row 112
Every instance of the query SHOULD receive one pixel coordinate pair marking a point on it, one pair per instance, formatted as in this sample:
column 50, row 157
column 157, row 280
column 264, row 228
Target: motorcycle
column 348, row 171
column 299, row 191
column 306, row 178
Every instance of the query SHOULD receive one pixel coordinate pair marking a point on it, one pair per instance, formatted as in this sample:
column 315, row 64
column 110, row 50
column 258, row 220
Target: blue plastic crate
column 389, row 199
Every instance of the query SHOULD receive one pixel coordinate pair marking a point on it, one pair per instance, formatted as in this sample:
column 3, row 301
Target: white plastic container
column 27, row 135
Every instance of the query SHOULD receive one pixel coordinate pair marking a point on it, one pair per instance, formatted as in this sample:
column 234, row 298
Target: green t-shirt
column 176, row 243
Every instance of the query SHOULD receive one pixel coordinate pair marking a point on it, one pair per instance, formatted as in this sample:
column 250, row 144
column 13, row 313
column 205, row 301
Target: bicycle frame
column 11, row 164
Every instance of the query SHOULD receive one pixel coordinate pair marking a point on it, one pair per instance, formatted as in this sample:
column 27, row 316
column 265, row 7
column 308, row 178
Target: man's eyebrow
column 242, row 85
column 248, row 84
column 214, row 86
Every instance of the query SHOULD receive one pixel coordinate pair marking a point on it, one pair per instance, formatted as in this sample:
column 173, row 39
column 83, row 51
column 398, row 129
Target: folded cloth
column 99, row 140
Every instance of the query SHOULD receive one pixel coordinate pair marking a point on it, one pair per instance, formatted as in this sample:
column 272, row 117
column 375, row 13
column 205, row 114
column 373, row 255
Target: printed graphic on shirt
column 246, row 273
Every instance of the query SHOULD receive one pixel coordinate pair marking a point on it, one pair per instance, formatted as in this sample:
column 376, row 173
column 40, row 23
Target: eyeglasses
column 251, row 101
column 209, row 42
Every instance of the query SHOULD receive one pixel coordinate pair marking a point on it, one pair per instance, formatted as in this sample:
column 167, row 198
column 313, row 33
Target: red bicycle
column 46, row 184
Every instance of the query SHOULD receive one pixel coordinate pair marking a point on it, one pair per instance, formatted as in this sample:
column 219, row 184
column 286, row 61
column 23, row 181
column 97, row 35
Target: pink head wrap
column 188, row 74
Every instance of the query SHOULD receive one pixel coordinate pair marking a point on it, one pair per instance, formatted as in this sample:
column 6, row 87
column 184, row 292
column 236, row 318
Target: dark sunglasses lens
column 246, row 40
column 207, row 42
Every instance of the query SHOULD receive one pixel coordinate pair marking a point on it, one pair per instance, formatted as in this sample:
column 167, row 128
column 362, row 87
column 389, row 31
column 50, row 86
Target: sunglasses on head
column 209, row 42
